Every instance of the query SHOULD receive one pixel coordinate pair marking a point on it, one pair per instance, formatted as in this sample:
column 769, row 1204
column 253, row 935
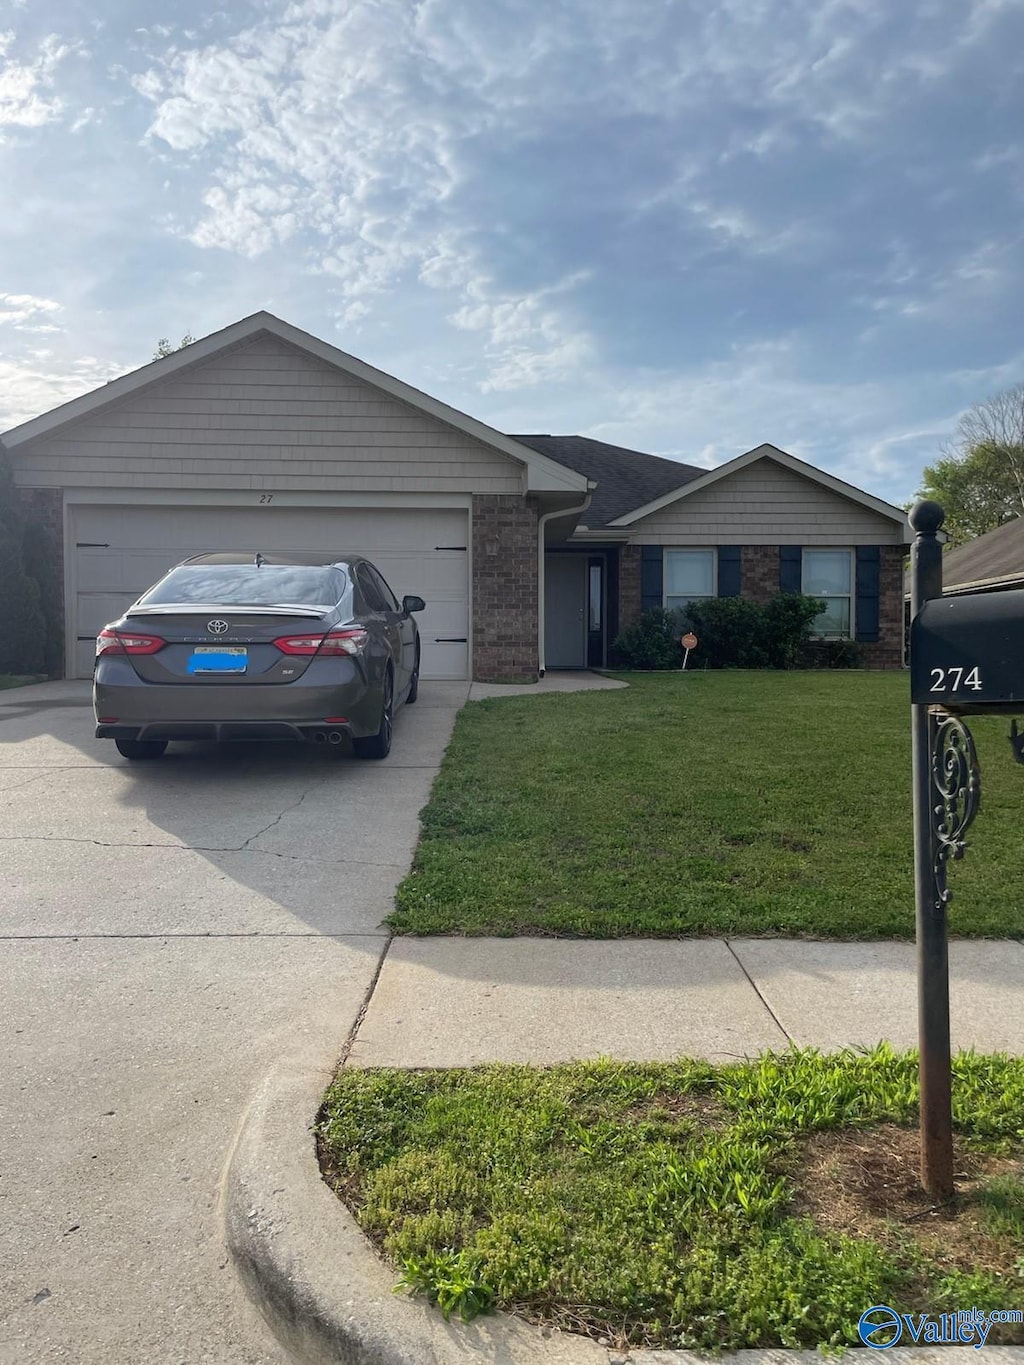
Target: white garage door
column 120, row 551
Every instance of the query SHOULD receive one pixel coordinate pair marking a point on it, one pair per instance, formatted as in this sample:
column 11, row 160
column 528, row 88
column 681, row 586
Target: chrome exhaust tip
column 335, row 736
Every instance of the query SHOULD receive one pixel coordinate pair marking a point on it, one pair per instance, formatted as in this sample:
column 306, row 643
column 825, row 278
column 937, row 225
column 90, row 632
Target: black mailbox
column 967, row 653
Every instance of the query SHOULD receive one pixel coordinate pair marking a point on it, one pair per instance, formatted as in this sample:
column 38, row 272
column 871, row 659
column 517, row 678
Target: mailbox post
column 936, row 1113
column 966, row 659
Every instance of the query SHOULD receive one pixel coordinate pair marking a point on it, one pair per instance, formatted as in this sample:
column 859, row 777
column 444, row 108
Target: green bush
column 732, row 632
column 834, row 654
column 22, row 625
column 788, row 619
column 22, row 629
column 652, row 641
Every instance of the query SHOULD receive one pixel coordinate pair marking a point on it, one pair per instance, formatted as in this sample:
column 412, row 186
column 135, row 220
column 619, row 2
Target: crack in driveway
column 27, row 782
column 196, row 848
column 287, row 811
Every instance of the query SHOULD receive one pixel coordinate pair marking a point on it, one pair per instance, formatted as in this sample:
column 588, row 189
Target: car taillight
column 121, row 642
column 336, row 642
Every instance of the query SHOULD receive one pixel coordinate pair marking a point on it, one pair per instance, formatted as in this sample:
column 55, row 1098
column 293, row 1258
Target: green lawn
column 18, row 680
column 767, row 1203
column 705, row 803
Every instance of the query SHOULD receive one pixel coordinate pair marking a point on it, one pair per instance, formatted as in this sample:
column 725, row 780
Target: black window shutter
column 728, row 571
column 791, row 559
column 651, row 576
column 869, row 563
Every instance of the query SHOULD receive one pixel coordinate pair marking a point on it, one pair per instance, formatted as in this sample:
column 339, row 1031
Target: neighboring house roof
column 625, row 478
column 768, row 452
column 543, row 474
column 993, row 560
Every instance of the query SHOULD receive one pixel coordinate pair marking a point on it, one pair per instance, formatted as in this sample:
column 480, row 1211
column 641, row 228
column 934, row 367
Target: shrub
column 788, row 619
column 22, row 627
column 734, row 632
column 730, row 633
column 834, row 654
column 22, row 631
column 652, row 641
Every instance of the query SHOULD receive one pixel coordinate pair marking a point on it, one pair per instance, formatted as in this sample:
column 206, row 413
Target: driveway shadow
column 298, row 838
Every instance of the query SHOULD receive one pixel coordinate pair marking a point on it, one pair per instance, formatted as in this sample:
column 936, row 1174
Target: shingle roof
column 996, row 556
column 626, row 479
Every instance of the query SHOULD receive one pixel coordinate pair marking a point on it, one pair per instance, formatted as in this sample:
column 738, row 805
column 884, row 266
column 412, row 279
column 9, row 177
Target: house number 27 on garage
column 955, row 680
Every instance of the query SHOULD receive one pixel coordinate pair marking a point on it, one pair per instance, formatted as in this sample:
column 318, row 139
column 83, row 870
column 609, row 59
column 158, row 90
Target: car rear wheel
column 141, row 748
column 379, row 745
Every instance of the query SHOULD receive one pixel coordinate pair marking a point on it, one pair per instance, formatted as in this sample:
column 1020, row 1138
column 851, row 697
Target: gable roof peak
column 781, row 457
column 542, row 473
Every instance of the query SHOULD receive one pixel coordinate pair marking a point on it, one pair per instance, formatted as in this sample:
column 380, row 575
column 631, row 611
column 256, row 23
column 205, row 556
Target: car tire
column 379, row 745
column 141, row 748
column 414, row 683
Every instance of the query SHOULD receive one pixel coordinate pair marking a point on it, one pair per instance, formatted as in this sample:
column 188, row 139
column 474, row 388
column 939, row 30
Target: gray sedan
column 254, row 646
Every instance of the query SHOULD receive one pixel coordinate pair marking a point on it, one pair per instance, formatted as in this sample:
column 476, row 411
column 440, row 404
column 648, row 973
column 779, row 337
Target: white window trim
column 688, row 549
column 834, row 549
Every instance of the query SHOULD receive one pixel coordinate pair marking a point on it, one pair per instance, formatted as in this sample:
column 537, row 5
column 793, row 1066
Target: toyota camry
column 259, row 646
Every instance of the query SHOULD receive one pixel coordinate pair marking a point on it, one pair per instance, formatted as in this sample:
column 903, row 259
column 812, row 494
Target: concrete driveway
column 169, row 932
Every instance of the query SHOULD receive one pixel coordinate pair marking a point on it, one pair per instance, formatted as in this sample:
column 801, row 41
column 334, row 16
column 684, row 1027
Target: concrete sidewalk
column 460, row 1001
column 440, row 1002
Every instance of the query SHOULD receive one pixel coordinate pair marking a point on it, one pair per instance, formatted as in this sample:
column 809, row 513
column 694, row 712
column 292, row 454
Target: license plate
column 218, row 659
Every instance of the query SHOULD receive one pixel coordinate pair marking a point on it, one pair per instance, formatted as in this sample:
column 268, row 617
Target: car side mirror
column 410, row 604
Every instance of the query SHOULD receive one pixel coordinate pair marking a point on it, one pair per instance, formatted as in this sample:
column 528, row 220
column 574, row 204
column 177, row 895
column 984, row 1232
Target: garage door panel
column 109, row 570
column 123, row 550
column 428, row 575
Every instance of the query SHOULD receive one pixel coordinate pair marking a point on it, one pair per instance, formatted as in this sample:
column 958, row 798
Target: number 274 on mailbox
column 967, row 653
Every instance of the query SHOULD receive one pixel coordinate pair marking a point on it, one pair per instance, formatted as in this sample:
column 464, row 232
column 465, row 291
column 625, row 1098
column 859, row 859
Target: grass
column 766, row 1203
column 8, row 680
column 709, row 803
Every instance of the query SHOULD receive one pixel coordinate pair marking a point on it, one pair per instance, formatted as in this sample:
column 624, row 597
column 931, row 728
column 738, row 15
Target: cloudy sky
column 682, row 226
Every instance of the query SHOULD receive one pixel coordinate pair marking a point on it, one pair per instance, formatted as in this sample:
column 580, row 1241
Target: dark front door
column 565, row 611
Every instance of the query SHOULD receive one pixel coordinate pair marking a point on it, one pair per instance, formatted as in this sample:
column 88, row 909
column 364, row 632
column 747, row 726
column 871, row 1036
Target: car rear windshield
column 246, row 585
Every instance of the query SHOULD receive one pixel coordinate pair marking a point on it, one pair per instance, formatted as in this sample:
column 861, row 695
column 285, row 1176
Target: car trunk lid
column 208, row 646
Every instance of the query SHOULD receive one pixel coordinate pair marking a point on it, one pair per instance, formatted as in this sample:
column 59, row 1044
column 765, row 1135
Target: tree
column 980, row 478
column 164, row 347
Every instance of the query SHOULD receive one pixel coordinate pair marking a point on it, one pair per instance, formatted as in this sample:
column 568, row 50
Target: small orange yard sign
column 688, row 642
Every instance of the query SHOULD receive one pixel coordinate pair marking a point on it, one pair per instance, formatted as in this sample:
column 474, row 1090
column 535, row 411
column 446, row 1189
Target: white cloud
column 26, row 97
column 36, row 381
column 361, row 130
column 24, row 310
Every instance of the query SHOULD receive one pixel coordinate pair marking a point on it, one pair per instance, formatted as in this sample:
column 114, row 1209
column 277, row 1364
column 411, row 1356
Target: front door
column 565, row 615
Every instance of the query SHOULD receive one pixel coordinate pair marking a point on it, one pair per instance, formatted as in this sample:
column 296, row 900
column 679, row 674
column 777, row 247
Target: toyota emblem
column 217, row 627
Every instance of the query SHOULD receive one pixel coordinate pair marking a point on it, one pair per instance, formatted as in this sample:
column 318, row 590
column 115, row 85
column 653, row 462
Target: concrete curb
column 320, row 1285
column 328, row 1297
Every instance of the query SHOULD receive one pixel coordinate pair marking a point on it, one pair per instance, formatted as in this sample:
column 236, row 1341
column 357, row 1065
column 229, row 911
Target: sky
column 682, row 226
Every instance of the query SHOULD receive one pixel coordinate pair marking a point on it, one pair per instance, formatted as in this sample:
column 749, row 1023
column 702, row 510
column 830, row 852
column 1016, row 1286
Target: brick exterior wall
column 45, row 507
column 759, row 581
column 505, row 616
column 629, row 585
column 759, row 572
column 888, row 652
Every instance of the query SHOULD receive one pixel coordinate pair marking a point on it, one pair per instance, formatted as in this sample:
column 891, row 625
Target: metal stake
column 932, row 946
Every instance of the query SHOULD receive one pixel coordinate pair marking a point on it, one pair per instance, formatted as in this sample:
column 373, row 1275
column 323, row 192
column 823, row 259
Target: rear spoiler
column 204, row 609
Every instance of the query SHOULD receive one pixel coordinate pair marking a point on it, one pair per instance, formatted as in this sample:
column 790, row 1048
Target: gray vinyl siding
column 266, row 416
column 765, row 504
